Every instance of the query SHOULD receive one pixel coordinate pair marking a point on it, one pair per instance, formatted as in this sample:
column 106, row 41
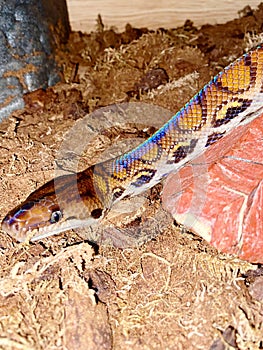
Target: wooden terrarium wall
column 154, row 14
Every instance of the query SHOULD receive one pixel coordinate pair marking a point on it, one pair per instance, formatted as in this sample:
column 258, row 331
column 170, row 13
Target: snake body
column 232, row 98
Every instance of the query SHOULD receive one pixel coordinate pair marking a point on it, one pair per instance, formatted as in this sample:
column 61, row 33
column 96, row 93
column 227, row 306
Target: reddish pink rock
column 220, row 195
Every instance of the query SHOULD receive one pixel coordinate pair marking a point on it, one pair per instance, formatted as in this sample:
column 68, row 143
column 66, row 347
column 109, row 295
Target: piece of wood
column 152, row 14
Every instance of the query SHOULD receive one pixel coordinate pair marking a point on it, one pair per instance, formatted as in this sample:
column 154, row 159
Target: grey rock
column 15, row 104
column 9, row 86
column 5, row 56
column 13, row 65
column 36, row 80
column 23, row 39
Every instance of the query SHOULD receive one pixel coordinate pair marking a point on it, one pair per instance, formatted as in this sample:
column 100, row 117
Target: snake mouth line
column 21, row 234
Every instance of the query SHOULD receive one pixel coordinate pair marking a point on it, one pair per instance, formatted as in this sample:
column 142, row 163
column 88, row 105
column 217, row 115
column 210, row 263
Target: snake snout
column 13, row 227
column 28, row 217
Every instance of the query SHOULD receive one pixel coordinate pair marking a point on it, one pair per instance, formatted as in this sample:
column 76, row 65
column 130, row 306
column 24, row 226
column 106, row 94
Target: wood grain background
column 152, row 13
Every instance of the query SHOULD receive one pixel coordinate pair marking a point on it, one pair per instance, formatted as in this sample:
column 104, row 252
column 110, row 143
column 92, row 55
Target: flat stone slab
column 220, row 195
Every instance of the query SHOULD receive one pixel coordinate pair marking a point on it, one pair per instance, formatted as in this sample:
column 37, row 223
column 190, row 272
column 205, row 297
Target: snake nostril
column 6, row 221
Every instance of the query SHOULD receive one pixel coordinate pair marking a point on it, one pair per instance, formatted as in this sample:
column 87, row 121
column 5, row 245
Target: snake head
column 68, row 202
column 31, row 217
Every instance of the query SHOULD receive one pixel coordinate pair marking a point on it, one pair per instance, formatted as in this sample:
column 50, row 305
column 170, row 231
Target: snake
column 233, row 98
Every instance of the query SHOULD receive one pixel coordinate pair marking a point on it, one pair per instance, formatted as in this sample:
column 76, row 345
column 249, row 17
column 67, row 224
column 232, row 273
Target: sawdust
column 174, row 292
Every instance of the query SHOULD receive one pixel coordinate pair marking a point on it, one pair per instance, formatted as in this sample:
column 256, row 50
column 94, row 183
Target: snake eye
column 55, row 216
column 96, row 213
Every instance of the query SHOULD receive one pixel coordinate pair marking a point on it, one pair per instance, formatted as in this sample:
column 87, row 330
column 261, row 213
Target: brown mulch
column 173, row 292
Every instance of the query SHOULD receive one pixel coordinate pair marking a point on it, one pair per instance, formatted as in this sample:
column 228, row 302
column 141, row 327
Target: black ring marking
column 182, row 152
column 233, row 112
column 144, row 178
column 213, row 138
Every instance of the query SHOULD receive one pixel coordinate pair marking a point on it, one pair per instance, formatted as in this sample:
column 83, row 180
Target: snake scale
column 232, row 98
